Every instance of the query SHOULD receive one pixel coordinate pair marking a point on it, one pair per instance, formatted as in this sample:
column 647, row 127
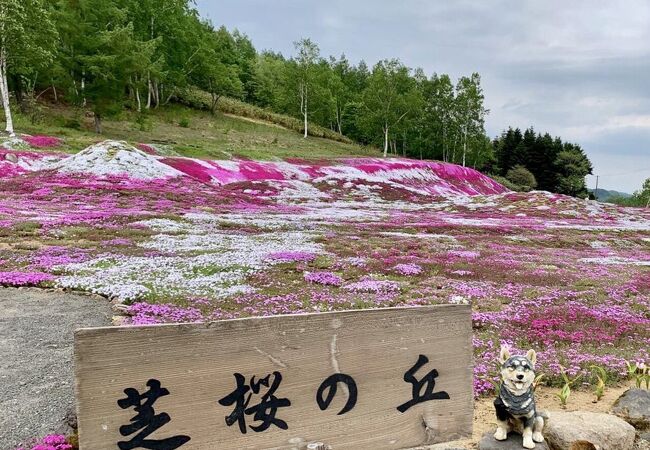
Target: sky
column 577, row 69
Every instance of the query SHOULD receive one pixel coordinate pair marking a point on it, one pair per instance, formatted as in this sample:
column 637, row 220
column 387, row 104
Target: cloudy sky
column 579, row 69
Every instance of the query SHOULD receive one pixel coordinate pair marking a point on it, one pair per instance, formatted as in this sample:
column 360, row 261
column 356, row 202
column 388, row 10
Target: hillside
column 177, row 239
column 186, row 131
column 604, row 195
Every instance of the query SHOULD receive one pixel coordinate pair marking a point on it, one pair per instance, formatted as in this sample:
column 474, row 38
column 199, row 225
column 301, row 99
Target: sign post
column 389, row 378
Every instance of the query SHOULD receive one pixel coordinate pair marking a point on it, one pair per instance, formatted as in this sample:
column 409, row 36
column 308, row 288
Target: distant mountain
column 603, row 194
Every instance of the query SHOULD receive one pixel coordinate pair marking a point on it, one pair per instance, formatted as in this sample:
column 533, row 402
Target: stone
column 582, row 430
column 514, row 442
column 634, row 407
column 11, row 157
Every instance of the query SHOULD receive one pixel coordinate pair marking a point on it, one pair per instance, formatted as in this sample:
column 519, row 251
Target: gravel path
column 36, row 372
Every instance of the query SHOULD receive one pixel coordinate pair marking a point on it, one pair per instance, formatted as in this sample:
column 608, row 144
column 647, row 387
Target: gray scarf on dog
column 517, row 404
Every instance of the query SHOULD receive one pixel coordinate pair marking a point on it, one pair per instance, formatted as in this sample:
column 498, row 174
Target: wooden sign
column 369, row 379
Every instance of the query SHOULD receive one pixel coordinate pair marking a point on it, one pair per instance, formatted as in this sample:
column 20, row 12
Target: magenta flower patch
column 408, row 269
column 289, row 256
column 24, row 278
column 373, row 286
column 49, row 442
column 325, row 278
column 42, row 141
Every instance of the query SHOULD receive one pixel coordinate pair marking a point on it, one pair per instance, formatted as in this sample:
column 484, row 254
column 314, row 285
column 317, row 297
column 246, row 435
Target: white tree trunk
column 4, row 92
column 150, row 87
column 137, row 97
column 464, row 148
column 305, row 112
column 83, row 87
column 385, row 140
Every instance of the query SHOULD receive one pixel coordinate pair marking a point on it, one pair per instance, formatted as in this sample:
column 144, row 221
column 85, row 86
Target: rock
column 514, row 442
column 11, row 157
column 643, row 441
column 634, row 407
column 581, row 430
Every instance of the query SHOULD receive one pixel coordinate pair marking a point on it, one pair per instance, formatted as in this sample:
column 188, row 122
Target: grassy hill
column 252, row 133
column 604, row 195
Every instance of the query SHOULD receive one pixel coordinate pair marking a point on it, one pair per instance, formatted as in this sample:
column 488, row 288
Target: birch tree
column 308, row 54
column 470, row 111
column 387, row 98
column 27, row 39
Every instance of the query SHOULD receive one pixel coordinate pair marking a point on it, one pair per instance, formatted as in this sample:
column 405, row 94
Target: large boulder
column 634, row 407
column 587, row 430
column 514, row 442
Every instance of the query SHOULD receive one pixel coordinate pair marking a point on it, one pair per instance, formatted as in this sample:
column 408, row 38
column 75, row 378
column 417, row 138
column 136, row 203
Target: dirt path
column 36, row 384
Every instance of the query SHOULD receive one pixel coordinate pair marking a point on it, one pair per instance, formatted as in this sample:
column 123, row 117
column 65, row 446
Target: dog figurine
column 515, row 405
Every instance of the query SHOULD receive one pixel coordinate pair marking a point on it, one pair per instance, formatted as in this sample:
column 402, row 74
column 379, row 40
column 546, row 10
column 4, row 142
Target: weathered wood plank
column 197, row 363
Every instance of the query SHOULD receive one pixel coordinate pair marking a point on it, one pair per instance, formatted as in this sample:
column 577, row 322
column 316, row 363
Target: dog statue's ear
column 532, row 356
column 504, row 354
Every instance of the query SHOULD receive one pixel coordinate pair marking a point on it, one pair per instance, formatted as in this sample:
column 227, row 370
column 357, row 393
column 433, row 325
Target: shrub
column 505, row 182
column 184, row 122
column 523, row 177
column 73, row 124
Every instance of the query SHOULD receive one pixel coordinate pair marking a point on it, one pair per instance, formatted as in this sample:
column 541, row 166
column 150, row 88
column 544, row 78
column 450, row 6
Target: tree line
column 108, row 55
column 531, row 160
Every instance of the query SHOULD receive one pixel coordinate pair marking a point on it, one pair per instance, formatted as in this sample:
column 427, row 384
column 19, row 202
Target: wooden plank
column 197, row 363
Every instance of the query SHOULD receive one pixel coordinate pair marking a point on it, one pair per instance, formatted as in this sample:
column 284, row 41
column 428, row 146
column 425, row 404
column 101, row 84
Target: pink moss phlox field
column 40, row 141
column 407, row 269
column 369, row 285
column 230, row 239
column 427, row 176
column 49, row 442
column 17, row 279
column 290, row 256
column 147, row 149
column 324, row 278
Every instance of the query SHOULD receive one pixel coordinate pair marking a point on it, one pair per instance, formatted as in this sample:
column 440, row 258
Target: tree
column 217, row 71
column 268, row 80
column 470, row 111
column 644, row 193
column 386, row 99
column 27, row 42
column 522, row 177
column 108, row 58
column 441, row 108
column 572, row 168
column 308, row 55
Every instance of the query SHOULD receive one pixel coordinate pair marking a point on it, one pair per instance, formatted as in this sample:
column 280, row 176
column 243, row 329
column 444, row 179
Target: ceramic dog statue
column 515, row 405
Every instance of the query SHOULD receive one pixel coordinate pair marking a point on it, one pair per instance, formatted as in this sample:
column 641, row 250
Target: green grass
column 190, row 132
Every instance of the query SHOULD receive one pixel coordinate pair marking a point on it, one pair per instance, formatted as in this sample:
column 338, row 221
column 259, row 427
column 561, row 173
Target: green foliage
column 640, row 198
column 388, row 99
column 110, row 56
column 507, row 183
column 565, row 390
column 139, row 55
column 556, row 166
column 639, row 373
column 601, row 377
column 520, row 176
